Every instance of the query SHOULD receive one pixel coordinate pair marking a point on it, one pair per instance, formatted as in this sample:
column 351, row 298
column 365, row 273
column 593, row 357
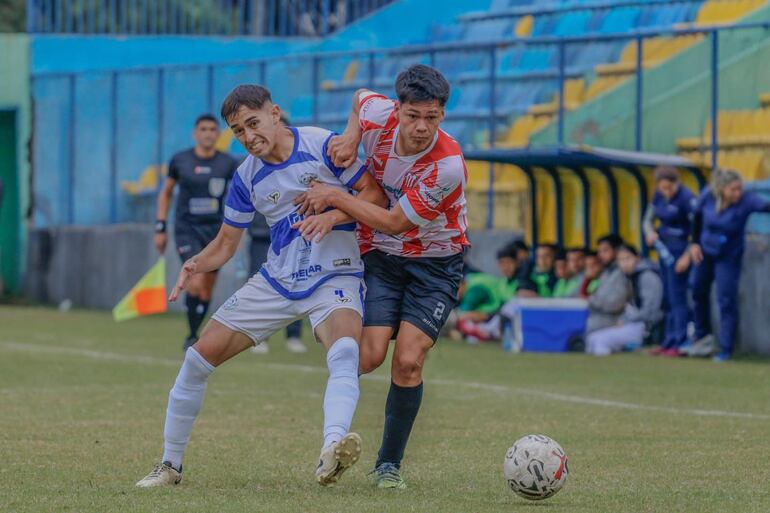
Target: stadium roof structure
column 590, row 166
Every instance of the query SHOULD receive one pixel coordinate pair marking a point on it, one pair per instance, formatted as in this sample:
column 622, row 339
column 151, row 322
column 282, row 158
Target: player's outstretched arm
column 315, row 227
column 392, row 222
column 343, row 149
column 213, row 256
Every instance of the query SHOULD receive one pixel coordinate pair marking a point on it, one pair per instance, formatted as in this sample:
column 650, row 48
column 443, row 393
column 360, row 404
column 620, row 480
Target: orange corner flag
column 147, row 297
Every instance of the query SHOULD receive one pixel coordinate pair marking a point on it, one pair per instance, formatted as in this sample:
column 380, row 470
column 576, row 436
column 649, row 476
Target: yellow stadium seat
column 351, row 72
column 764, row 100
column 224, row 140
column 524, row 26
column 518, row 134
column 148, row 181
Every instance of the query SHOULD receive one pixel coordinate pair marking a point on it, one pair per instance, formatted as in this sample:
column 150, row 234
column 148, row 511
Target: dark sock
column 400, row 411
column 200, row 314
column 192, row 302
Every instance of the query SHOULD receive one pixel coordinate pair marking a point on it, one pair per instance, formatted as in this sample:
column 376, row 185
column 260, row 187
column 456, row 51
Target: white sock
column 341, row 390
column 184, row 403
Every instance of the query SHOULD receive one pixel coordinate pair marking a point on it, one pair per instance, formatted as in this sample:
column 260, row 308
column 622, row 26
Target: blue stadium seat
column 488, row 30
column 620, row 20
column 537, row 59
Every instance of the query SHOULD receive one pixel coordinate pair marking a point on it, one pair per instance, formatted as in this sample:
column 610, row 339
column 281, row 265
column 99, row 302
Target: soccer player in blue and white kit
column 318, row 276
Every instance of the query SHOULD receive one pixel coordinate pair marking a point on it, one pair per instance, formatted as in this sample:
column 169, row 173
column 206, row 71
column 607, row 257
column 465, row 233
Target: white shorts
column 258, row 310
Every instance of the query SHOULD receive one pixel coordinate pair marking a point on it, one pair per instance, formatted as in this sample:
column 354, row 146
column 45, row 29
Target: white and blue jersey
column 295, row 267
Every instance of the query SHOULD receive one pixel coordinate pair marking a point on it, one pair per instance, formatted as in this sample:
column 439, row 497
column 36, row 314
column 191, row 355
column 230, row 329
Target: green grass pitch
column 82, row 403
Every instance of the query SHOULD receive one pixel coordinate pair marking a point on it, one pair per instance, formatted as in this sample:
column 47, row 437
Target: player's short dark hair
column 591, row 253
column 613, row 239
column 630, row 248
column 421, row 83
column 560, row 255
column 248, row 95
column 520, row 245
column 206, row 117
column 507, row 251
column 554, row 248
column 576, row 249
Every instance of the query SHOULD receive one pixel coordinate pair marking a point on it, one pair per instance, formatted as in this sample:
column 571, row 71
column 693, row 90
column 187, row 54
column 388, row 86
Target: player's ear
column 397, row 109
column 275, row 114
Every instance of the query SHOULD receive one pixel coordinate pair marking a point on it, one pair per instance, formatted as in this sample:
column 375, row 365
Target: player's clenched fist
column 343, row 150
column 188, row 269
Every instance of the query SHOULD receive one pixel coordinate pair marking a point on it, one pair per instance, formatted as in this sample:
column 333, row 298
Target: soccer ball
column 535, row 467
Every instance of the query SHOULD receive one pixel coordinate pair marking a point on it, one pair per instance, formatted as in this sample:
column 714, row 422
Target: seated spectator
column 590, row 279
column 608, row 300
column 523, row 257
column 543, row 275
column 569, row 269
column 642, row 311
column 484, row 294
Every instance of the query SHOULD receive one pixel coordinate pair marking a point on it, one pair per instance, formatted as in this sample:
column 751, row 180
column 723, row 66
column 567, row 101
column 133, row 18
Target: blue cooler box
column 548, row 324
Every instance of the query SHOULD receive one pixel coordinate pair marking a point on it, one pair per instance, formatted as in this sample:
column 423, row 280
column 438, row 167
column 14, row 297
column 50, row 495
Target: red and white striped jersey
column 428, row 186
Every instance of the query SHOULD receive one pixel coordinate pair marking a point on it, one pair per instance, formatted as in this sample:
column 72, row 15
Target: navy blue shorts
column 421, row 291
column 191, row 238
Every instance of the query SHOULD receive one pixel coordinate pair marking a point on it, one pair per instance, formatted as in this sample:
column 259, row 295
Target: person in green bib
column 569, row 268
column 543, row 275
column 485, row 293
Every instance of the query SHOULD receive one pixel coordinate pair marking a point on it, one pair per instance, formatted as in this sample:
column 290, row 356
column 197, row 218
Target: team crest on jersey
column 217, row 186
column 273, row 196
column 306, row 178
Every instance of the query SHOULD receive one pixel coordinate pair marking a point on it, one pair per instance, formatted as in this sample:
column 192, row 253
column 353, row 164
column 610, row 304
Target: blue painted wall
column 135, row 100
column 64, row 53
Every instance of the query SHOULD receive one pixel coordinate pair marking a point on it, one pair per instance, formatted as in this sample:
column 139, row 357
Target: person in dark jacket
column 719, row 227
column 672, row 207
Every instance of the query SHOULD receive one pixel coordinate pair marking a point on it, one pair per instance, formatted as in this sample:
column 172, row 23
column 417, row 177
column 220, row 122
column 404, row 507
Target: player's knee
column 371, row 360
column 343, row 350
column 407, row 367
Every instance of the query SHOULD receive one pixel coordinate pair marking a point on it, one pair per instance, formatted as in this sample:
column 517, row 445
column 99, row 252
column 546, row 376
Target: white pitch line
column 497, row 389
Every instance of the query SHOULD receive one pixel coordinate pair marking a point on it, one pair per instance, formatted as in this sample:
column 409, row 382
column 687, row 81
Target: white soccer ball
column 535, row 467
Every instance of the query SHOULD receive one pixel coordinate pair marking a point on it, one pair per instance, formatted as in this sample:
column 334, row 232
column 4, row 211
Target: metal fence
column 117, row 124
column 283, row 18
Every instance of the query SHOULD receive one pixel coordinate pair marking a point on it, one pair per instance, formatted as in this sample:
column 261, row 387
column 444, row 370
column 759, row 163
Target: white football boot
column 162, row 475
column 337, row 458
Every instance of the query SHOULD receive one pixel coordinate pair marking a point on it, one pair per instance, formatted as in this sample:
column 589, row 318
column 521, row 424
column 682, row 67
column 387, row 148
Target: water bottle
column 507, row 335
column 511, row 339
column 665, row 255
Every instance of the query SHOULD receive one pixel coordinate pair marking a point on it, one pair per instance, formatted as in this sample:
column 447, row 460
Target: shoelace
column 387, row 471
column 157, row 470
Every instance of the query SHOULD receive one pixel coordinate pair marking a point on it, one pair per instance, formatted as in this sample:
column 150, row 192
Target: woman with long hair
column 719, row 227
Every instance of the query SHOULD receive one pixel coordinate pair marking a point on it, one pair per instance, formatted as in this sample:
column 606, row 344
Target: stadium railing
column 305, row 91
column 281, row 18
